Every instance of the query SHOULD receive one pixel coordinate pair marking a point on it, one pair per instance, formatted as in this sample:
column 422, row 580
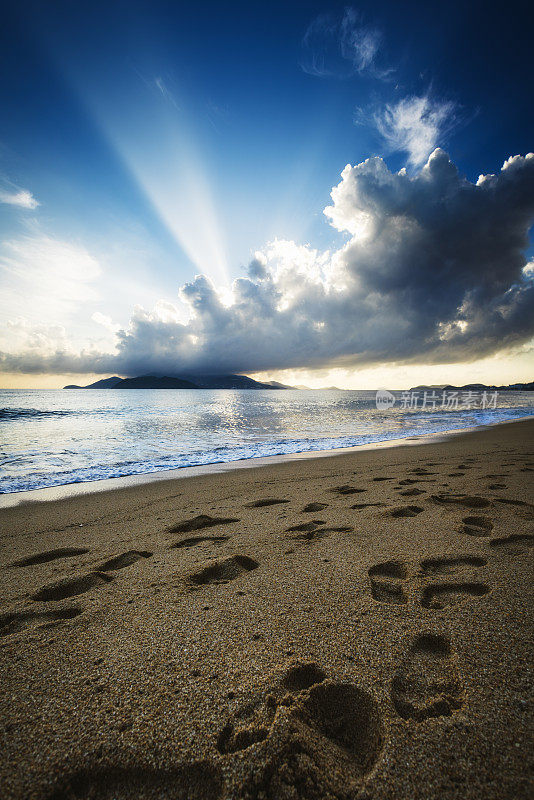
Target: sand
column 357, row 626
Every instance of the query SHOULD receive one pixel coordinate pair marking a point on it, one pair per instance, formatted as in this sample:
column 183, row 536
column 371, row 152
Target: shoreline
column 354, row 625
column 76, row 489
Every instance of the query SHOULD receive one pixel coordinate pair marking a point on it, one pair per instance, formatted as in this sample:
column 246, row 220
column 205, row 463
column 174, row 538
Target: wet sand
column 358, row 626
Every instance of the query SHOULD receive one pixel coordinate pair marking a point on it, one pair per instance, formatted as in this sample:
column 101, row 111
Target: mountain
column 153, row 382
column 182, row 382
column 278, row 385
column 105, row 383
column 231, row 382
column 479, row 387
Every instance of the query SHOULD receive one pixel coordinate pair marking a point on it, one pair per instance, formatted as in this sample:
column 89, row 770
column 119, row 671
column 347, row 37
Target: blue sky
column 161, row 140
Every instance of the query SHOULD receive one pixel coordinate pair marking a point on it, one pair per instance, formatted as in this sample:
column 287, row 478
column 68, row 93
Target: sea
column 55, row 437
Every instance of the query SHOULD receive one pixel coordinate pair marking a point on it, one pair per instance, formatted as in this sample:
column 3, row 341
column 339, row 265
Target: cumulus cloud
column 433, row 271
column 414, row 125
column 18, row 197
column 342, row 47
column 105, row 321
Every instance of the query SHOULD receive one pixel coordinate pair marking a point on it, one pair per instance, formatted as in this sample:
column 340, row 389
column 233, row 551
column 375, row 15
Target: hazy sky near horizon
column 310, row 192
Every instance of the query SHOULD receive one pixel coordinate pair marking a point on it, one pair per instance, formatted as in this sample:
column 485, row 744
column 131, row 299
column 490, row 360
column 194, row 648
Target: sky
column 317, row 193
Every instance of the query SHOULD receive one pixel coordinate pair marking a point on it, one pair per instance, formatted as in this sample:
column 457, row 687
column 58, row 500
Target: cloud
column 105, row 321
column 45, row 279
column 415, row 125
column 164, row 90
column 342, row 47
column 18, row 197
column 433, row 271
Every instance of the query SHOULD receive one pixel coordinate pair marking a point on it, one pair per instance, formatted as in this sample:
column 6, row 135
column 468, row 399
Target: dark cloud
column 434, row 271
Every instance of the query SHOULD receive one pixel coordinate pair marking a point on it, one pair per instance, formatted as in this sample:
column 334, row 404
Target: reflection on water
column 55, row 437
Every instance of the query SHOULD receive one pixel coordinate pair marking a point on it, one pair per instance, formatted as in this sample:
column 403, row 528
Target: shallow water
column 54, row 437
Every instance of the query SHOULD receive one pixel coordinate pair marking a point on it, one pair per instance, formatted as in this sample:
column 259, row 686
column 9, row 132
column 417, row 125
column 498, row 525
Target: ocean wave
column 32, row 413
column 216, row 455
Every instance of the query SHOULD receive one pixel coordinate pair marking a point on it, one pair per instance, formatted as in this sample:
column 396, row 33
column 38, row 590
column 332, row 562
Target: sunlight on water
column 52, row 437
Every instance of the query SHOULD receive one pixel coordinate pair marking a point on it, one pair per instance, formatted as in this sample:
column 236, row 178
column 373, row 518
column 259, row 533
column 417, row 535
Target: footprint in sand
column 477, row 526
column 222, row 571
column 253, row 722
column 440, row 595
column 421, row 471
column 314, row 507
column 124, row 560
column 307, row 737
column 17, row 621
column 194, row 540
column 388, row 581
column 199, row 522
column 359, row 506
column 426, row 683
column 404, row 511
column 386, row 586
column 266, row 501
column 521, row 508
column 431, row 566
column 346, row 489
column 470, row 501
column 70, row 587
column 515, row 544
column 411, row 492
column 196, row 781
column 50, row 555
column 312, row 530
column 411, row 481
column 306, row 531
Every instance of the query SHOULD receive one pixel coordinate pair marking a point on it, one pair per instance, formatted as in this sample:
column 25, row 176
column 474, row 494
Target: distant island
column 184, row 382
column 244, row 382
column 478, row 387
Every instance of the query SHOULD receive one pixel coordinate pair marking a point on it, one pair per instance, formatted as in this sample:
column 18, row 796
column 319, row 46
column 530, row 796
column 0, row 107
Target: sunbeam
column 157, row 143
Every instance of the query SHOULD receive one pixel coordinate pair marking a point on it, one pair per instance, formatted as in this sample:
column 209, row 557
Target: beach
column 355, row 626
